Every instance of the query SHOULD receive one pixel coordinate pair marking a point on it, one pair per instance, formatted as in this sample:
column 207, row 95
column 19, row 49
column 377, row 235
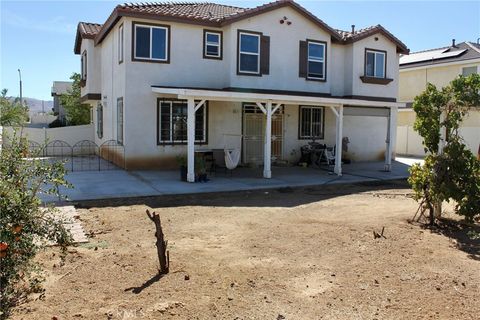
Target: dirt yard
column 284, row 254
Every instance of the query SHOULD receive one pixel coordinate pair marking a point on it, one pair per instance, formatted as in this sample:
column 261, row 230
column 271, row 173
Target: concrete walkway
column 92, row 185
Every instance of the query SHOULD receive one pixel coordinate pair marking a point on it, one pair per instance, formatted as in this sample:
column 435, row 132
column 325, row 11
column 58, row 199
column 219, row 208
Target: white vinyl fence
column 409, row 141
column 42, row 136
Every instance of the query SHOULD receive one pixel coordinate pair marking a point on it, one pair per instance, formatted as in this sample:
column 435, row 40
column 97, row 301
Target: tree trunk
column 161, row 244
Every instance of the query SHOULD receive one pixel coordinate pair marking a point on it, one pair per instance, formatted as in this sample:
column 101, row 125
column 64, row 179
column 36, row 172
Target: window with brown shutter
column 303, row 60
column 265, row 55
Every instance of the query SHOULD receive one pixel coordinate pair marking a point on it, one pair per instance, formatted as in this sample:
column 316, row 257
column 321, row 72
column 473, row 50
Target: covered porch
column 115, row 184
column 270, row 103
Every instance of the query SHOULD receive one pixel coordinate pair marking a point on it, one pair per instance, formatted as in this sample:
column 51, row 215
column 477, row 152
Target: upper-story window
column 83, row 66
column 151, row 42
column 249, row 53
column 466, row 71
column 316, row 60
column 375, row 63
column 120, row 44
column 313, row 60
column 212, row 44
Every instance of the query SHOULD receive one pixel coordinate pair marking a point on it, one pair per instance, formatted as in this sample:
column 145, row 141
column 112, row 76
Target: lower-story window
column 99, row 120
column 120, row 120
column 172, row 122
column 311, row 122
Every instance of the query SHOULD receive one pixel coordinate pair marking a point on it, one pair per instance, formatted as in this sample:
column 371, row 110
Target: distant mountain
column 35, row 105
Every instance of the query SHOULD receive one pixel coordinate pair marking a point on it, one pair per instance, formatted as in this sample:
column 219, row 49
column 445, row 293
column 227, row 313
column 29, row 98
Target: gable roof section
column 350, row 37
column 278, row 4
column 461, row 52
column 85, row 30
column 216, row 15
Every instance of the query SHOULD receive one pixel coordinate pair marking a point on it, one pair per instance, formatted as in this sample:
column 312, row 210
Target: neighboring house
column 166, row 79
column 439, row 67
column 59, row 88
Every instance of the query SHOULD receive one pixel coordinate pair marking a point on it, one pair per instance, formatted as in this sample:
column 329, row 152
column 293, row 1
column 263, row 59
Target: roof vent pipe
column 453, row 42
column 353, row 28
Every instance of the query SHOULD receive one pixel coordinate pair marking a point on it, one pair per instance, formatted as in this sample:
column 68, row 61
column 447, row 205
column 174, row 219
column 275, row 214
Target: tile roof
column 89, row 30
column 191, row 10
column 349, row 37
column 216, row 15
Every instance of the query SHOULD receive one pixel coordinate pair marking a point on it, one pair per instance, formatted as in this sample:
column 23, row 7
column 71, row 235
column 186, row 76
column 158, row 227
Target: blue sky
column 38, row 36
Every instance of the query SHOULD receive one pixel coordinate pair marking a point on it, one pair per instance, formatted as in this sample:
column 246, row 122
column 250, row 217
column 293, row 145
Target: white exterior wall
column 94, row 62
column 132, row 80
column 358, row 52
column 113, row 87
column 284, row 51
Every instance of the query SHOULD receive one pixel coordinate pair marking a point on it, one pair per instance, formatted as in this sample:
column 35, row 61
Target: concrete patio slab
column 94, row 185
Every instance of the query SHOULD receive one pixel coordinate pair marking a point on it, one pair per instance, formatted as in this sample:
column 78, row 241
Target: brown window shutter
column 302, row 66
column 265, row 55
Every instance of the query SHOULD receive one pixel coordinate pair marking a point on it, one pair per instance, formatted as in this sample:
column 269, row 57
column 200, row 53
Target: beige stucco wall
column 414, row 81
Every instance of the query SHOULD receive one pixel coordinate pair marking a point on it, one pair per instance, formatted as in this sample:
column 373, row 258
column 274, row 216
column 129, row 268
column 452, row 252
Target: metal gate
column 254, row 121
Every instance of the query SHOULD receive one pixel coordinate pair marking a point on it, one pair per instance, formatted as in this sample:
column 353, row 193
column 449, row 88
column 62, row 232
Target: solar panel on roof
column 430, row 55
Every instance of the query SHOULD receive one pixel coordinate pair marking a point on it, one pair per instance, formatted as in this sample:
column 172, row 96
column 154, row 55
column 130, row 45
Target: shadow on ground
column 275, row 197
column 466, row 235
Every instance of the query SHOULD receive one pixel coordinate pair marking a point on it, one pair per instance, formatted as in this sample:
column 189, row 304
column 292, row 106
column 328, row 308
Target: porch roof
column 276, row 96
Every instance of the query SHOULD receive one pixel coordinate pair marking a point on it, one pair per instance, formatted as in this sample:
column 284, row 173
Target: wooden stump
column 161, row 244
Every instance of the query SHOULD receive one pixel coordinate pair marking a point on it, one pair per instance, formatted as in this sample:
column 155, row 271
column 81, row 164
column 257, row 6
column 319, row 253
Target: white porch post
column 267, row 156
column 338, row 142
column 191, row 140
column 389, row 142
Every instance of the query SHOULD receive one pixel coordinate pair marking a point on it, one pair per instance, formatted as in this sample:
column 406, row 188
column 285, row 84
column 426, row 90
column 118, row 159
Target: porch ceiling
column 231, row 95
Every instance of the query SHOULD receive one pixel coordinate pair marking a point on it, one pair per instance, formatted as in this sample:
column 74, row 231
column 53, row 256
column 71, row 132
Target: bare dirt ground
column 284, row 254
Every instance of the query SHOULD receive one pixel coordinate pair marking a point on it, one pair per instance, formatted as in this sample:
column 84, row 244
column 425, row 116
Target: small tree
column 12, row 113
column 450, row 171
column 25, row 226
column 76, row 112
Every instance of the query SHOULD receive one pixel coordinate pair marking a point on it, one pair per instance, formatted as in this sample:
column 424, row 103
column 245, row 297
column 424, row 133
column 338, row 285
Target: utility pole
column 21, row 97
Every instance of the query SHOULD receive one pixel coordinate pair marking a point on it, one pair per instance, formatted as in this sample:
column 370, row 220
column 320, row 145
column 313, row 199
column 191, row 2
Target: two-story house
column 168, row 79
column 439, row 67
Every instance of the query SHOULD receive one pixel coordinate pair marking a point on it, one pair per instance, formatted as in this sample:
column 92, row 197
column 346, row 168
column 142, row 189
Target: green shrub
column 25, row 226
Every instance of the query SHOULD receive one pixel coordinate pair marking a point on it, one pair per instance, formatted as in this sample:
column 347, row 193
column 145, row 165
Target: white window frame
column 171, row 141
column 469, row 66
column 322, row 122
column 218, row 45
column 120, row 44
column 314, row 59
column 240, row 52
column 167, row 36
column 375, row 52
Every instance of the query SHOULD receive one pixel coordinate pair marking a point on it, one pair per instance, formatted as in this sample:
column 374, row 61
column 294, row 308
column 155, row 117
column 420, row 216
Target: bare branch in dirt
column 377, row 235
column 163, row 256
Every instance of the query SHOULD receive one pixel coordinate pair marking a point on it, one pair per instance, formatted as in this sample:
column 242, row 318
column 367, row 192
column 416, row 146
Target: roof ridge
column 90, row 23
column 172, row 3
column 471, row 45
column 445, row 47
